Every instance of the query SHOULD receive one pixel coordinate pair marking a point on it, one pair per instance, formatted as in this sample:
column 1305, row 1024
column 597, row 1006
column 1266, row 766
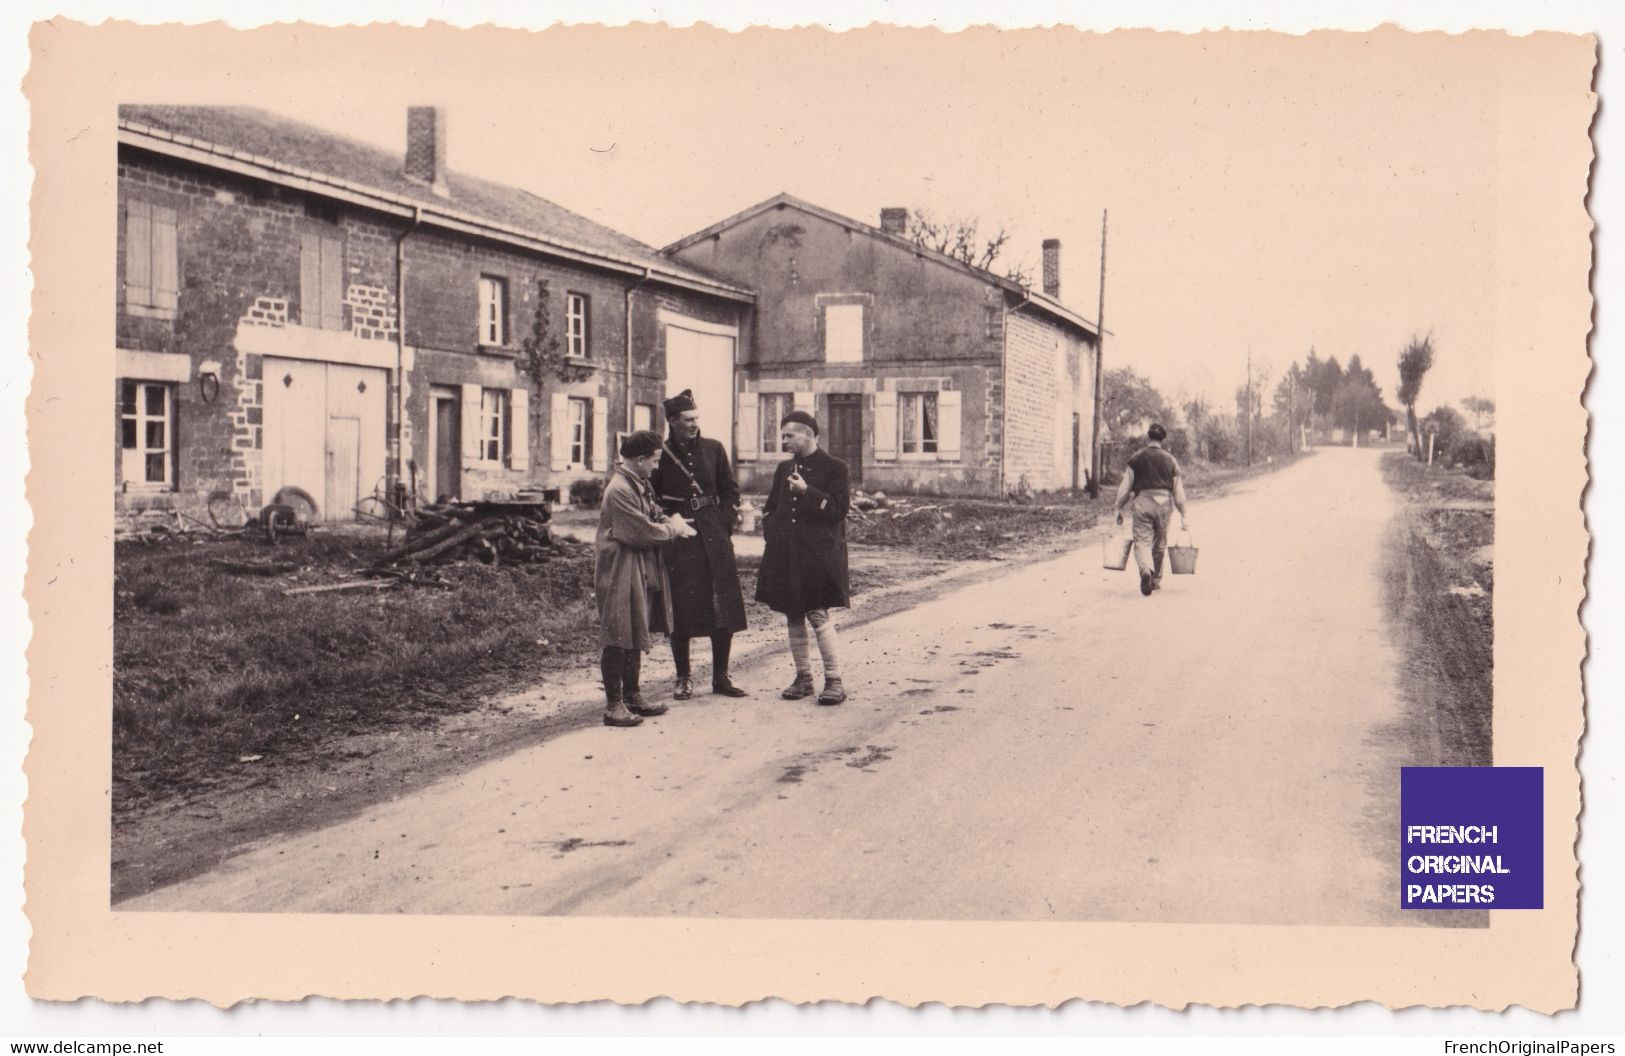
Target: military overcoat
column 804, row 564
column 705, row 592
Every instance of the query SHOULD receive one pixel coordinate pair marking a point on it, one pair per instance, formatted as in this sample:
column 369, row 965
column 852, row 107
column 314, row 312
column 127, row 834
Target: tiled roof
column 265, row 135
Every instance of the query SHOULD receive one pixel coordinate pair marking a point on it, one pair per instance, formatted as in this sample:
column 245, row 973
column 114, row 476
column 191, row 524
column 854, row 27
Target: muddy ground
column 1441, row 584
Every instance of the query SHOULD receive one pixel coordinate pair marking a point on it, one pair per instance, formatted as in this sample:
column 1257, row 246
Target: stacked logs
column 493, row 534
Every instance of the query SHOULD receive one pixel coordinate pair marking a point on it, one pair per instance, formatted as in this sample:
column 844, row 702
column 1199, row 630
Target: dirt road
column 1046, row 744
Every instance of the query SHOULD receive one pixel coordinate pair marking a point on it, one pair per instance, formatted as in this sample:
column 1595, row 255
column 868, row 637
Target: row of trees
column 1311, row 398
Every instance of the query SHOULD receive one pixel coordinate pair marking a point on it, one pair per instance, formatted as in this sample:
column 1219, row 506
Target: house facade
column 925, row 373
column 307, row 316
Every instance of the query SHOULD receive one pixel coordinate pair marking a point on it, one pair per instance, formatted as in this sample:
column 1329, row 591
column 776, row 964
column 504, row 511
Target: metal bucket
column 1114, row 552
column 1182, row 559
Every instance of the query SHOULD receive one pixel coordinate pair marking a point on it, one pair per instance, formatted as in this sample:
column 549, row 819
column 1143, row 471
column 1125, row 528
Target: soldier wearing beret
column 804, row 566
column 696, row 481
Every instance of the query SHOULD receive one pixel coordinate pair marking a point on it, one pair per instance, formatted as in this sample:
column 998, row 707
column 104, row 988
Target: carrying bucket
column 1182, row 559
column 1114, row 552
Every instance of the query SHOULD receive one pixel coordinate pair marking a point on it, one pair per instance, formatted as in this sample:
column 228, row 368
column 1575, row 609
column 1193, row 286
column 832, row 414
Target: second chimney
column 426, row 147
column 894, row 220
column 1052, row 268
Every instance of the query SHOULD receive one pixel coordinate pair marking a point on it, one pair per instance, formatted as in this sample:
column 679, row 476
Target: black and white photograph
column 672, row 475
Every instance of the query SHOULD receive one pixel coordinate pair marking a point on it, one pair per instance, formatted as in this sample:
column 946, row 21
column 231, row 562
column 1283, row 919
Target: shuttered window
column 151, row 260
column 494, row 427
column 775, row 405
column 917, row 419
column 580, row 426
column 321, row 281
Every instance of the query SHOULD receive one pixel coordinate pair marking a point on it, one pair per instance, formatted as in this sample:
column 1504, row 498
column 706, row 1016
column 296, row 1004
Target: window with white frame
column 494, row 425
column 643, row 416
column 580, row 426
column 493, row 310
column 775, row 405
column 147, row 433
column 843, row 333
column 917, row 423
column 576, row 308
column 151, row 260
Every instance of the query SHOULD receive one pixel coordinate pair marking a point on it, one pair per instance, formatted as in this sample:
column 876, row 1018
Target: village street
column 1043, row 744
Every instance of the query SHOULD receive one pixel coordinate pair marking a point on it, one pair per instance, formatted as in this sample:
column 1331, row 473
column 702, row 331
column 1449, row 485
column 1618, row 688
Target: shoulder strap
column 695, row 484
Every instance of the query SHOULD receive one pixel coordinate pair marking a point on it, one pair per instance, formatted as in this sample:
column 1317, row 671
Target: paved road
column 1043, row 745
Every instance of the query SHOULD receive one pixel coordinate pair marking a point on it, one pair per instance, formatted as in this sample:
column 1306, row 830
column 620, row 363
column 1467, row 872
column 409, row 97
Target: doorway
column 445, row 443
column 845, row 432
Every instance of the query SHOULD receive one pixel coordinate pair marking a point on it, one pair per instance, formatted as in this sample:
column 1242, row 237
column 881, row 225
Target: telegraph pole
column 1100, row 360
column 1249, row 408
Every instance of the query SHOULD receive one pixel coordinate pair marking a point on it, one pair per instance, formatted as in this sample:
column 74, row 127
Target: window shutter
column 519, row 430
column 332, row 291
column 948, row 412
column 471, row 423
column 886, row 425
column 747, row 426
column 165, row 259
column 138, row 254
column 600, row 433
column 559, row 434
column 310, row 280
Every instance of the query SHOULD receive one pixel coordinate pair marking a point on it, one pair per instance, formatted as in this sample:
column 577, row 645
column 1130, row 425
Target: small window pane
column 129, row 433
column 155, row 467
column 127, row 397
column 155, row 399
column 909, row 411
column 155, row 436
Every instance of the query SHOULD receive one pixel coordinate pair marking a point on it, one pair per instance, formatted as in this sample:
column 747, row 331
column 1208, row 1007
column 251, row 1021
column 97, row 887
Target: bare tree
column 960, row 239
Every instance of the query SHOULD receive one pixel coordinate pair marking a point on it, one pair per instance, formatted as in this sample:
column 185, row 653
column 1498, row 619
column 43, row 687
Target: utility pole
column 1291, row 412
column 1100, row 361
column 1248, row 410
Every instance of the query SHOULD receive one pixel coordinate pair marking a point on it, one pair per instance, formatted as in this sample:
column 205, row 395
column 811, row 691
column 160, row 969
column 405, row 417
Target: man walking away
column 695, row 481
column 804, row 566
column 1154, row 484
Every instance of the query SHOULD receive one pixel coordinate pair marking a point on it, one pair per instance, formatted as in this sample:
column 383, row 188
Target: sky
column 1266, row 194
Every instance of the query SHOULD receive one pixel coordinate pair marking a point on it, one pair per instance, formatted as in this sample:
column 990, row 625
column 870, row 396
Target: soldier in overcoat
column 630, row 582
column 696, row 481
column 804, row 563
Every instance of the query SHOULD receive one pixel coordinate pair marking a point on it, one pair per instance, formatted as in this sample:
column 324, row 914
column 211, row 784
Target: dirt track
column 1042, row 744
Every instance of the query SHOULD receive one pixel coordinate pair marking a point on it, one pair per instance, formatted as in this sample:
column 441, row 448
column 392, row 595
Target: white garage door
column 324, row 432
column 704, row 362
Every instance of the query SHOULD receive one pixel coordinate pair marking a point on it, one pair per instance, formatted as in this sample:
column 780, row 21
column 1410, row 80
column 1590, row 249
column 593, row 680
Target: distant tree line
column 1317, row 400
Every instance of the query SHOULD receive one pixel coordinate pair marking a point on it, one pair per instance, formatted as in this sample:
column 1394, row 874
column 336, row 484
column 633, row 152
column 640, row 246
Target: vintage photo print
column 1001, row 516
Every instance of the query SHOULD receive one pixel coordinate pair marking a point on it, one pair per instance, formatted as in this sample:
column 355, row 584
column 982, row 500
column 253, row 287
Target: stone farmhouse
column 927, row 374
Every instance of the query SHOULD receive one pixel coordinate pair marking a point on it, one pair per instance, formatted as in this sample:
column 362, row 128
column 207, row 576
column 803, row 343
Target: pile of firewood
column 493, row 535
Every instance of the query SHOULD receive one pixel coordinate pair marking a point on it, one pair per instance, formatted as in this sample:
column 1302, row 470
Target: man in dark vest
column 695, row 480
column 1153, row 483
column 804, row 569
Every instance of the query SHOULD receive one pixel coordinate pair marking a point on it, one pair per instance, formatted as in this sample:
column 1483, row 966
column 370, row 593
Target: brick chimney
column 894, row 220
column 1052, row 268
column 426, row 147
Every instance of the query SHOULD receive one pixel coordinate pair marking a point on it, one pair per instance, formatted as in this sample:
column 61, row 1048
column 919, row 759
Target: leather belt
column 697, row 502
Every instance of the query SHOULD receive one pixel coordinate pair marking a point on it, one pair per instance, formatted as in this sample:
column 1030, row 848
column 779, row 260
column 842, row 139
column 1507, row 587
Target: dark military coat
column 705, row 592
column 804, row 559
